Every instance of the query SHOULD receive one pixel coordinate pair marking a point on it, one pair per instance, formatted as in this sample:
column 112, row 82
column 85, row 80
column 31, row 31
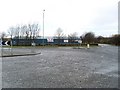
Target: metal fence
column 17, row 51
column 27, row 42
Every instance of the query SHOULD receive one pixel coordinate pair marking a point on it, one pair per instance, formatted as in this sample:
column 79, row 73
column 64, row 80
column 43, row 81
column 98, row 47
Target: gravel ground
column 63, row 67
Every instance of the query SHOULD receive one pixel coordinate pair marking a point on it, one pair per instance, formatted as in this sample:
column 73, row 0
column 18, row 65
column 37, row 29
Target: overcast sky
column 98, row 16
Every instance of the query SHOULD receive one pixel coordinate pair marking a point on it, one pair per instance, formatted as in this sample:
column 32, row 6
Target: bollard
column 33, row 48
column 88, row 46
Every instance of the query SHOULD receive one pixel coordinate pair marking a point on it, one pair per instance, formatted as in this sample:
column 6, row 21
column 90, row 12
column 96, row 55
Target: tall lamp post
column 43, row 26
column 1, row 48
column 11, row 45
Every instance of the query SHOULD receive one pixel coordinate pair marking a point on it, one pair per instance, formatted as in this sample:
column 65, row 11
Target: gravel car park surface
column 63, row 67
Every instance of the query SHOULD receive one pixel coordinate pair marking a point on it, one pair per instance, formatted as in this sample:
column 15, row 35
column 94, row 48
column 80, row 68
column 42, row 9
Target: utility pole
column 11, row 45
column 1, row 49
column 43, row 26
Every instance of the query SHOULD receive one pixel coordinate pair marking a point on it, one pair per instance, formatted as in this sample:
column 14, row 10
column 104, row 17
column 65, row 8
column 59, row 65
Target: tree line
column 26, row 31
column 90, row 38
column 31, row 31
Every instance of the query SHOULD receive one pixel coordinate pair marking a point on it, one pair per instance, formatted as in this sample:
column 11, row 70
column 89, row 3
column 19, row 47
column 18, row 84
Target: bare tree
column 59, row 33
column 11, row 32
column 88, row 37
column 115, row 39
column 28, row 32
column 24, row 31
column 99, row 39
column 17, row 31
column 3, row 34
column 34, row 30
column 72, row 37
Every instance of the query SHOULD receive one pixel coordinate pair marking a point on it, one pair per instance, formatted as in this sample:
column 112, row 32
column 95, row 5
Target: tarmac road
column 63, row 67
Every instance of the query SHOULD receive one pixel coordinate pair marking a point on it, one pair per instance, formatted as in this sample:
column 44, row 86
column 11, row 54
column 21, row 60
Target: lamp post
column 11, row 45
column 43, row 26
column 1, row 48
